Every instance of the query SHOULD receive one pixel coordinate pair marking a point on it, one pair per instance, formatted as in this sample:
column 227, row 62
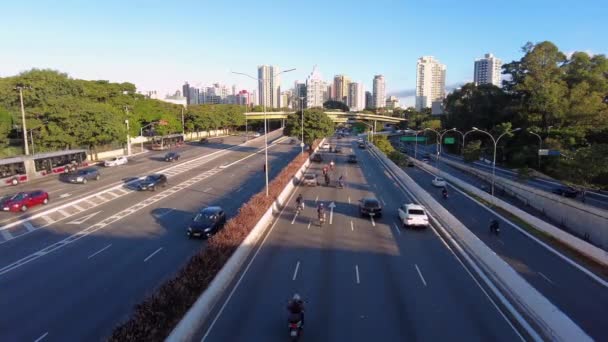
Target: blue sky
column 160, row 44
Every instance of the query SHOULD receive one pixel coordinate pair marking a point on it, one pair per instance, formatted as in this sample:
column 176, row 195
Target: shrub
column 398, row 158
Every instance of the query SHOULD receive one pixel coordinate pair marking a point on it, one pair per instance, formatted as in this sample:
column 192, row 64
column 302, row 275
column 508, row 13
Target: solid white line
column 317, row 199
column 373, row 222
column 41, row 337
column 547, row 279
column 352, row 227
column 208, row 189
column 420, row 274
column 294, row 217
column 295, row 272
column 151, row 255
column 29, row 226
column 6, row 234
column 99, row 251
column 348, row 199
column 357, row 272
column 397, row 228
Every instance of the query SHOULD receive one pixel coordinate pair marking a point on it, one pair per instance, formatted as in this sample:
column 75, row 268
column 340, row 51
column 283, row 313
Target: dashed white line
column 499, row 240
column 373, row 222
column 420, row 274
column 6, row 234
column 294, row 217
column 47, row 219
column 295, row 272
column 352, row 227
column 99, row 251
column 41, row 337
column 317, row 199
column 63, row 212
column 309, row 223
column 357, row 273
column 239, row 189
column 151, row 255
column 166, row 212
column 397, row 228
column 382, row 199
column 348, row 199
column 547, row 279
column 79, row 208
column 208, row 189
column 30, row 227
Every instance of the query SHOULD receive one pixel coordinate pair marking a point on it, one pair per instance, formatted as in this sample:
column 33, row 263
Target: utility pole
column 128, row 135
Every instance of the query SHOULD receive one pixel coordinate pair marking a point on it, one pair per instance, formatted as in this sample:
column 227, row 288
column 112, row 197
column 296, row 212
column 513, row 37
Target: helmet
column 321, row 205
column 296, row 296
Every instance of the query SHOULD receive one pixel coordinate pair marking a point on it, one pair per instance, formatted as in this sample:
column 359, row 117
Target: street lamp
column 416, row 145
column 20, row 88
column 540, row 146
column 302, row 110
column 495, row 146
column 265, row 119
column 439, row 140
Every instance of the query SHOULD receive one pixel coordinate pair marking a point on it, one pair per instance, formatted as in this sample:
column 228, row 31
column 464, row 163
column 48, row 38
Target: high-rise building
column 392, row 102
column 300, row 93
column 379, row 95
column 369, row 99
column 488, row 70
column 255, row 98
column 186, row 92
column 286, row 99
column 243, row 98
column 430, row 82
column 269, row 89
column 315, row 89
column 341, row 83
column 356, row 96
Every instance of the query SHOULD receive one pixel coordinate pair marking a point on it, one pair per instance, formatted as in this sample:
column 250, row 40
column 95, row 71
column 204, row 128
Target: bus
column 20, row 169
column 164, row 142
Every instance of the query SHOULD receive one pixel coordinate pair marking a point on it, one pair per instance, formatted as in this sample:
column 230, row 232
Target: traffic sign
column 413, row 138
column 543, row 152
column 448, row 140
column 555, row 153
column 301, row 144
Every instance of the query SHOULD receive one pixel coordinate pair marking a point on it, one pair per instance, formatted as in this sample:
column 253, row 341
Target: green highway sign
column 448, row 140
column 413, row 138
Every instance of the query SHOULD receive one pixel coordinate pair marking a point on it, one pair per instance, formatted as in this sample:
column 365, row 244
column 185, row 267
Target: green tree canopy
column 317, row 125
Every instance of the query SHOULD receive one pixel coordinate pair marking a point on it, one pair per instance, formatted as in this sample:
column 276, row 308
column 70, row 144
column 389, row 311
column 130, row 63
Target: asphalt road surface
column 78, row 277
column 363, row 279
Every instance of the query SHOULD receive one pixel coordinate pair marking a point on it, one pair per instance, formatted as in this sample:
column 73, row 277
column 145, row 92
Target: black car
column 151, row 182
column 352, row 158
column 370, row 206
column 410, row 162
column 338, row 150
column 317, row 158
column 207, row 222
column 172, row 156
column 566, row 191
column 83, row 176
column 362, row 145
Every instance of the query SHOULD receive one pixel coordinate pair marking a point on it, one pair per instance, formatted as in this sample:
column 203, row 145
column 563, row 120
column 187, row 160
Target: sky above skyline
column 159, row 45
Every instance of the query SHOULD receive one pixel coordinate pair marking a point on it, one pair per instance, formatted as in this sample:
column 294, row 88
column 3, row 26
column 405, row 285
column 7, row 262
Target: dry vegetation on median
column 157, row 315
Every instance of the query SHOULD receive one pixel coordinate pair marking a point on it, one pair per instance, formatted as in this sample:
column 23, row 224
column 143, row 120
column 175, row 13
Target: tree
column 317, row 125
column 472, row 151
column 382, row 143
column 331, row 104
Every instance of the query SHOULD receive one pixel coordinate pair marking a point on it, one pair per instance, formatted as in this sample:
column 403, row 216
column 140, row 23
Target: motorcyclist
column 341, row 181
column 444, row 192
column 494, row 225
column 295, row 306
column 331, row 165
column 325, row 170
column 327, row 179
column 321, row 210
column 300, row 201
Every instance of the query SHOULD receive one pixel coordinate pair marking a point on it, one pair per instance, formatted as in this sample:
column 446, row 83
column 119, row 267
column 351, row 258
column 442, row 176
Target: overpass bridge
column 339, row 117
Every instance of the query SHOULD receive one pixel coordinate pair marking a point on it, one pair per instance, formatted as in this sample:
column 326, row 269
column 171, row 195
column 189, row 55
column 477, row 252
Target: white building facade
column 356, row 96
column 430, row 82
column 315, row 89
column 379, row 92
column 268, row 87
column 488, row 70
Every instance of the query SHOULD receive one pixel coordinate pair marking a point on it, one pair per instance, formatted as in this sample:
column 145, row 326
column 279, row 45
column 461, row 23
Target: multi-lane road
column 74, row 274
column 363, row 279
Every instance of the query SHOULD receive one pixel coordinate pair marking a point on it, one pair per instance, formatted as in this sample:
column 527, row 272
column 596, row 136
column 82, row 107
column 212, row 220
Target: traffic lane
column 548, row 273
column 333, row 265
column 134, row 239
column 151, row 163
column 16, row 249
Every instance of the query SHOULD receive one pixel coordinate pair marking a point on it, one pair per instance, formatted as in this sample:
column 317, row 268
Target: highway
column 78, row 277
column 594, row 198
column 578, row 292
column 363, row 279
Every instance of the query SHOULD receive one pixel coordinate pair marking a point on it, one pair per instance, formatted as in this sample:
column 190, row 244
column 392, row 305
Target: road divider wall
column 185, row 302
column 547, row 319
column 583, row 219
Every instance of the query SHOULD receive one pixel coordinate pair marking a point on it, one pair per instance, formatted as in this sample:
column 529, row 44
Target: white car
column 257, row 134
column 325, row 146
column 116, row 161
column 439, row 182
column 413, row 215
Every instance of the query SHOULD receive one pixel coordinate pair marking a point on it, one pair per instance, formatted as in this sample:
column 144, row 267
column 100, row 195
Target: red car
column 23, row 200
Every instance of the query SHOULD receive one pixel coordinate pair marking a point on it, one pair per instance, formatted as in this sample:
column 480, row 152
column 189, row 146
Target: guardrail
column 552, row 324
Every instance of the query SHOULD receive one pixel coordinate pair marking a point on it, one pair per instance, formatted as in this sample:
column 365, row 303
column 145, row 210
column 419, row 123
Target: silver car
column 310, row 179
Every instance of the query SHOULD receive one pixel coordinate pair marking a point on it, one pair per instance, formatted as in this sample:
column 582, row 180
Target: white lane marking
column 331, row 206
column 47, row 219
column 79, row 208
column 309, row 223
column 84, row 218
column 29, row 226
column 65, row 195
column 397, row 228
column 6, row 234
column 382, row 199
column 294, row 217
column 395, row 184
column 239, row 189
column 99, row 251
column 91, row 203
column 546, row 278
column 352, row 227
column 357, row 273
column 420, row 274
column 41, row 337
column 499, row 240
column 165, row 213
column 64, row 213
column 317, row 199
column 208, row 189
column 373, row 222
column 295, row 272
column 151, row 255
column 348, row 199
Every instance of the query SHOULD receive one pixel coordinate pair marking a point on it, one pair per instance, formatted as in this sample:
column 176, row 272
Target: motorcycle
column 321, row 218
column 299, row 207
column 445, row 195
column 494, row 229
column 295, row 327
column 340, row 184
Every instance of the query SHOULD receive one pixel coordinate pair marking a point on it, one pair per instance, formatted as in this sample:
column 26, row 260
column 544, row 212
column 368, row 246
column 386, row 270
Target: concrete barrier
column 547, row 319
column 582, row 220
column 204, row 305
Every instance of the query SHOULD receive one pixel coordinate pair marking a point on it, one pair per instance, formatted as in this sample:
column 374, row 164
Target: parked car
column 151, row 182
column 116, row 161
column 439, row 182
column 413, row 215
column 370, row 206
column 310, row 179
column 566, row 191
column 22, row 201
column 338, row 149
column 317, row 158
column 257, row 134
column 207, row 222
column 325, row 146
column 172, row 156
column 83, row 176
column 362, row 145
column 352, row 158
column 410, row 162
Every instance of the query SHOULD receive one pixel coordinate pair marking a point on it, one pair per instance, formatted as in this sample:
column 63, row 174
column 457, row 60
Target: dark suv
column 172, row 156
column 151, row 182
column 317, row 158
column 83, row 176
column 352, row 158
column 207, row 222
column 370, row 206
